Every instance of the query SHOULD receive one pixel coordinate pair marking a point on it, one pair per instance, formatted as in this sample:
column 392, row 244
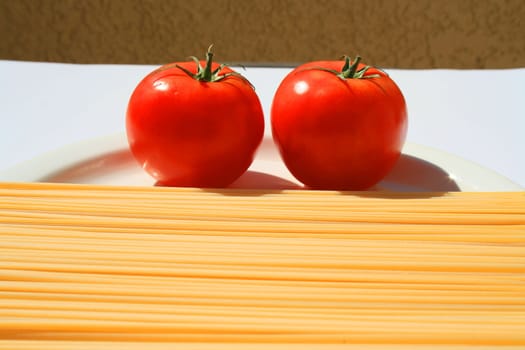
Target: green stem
column 207, row 74
column 204, row 74
column 349, row 70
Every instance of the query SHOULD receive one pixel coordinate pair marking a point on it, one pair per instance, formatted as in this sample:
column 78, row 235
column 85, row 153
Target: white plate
column 108, row 161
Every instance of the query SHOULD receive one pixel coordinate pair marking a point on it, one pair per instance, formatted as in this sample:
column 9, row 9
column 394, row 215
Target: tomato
column 194, row 124
column 339, row 124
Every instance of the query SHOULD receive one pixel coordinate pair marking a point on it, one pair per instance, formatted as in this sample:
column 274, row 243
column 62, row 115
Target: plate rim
column 42, row 165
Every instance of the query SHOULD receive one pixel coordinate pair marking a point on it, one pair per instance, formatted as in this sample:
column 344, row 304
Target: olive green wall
column 388, row 33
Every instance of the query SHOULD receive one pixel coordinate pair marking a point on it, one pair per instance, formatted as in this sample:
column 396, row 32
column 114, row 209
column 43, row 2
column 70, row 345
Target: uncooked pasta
column 105, row 267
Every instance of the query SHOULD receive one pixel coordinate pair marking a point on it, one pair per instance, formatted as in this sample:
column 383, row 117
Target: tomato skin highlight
column 338, row 134
column 191, row 133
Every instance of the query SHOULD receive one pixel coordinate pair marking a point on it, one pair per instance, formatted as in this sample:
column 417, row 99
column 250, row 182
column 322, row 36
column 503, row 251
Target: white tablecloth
column 478, row 115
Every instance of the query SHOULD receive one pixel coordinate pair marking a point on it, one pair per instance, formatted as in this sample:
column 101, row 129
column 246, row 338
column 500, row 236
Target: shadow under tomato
column 414, row 174
column 255, row 183
column 263, row 181
column 415, row 178
column 411, row 175
column 252, row 183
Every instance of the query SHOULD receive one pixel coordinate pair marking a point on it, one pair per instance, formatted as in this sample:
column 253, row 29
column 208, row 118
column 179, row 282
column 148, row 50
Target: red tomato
column 194, row 124
column 335, row 131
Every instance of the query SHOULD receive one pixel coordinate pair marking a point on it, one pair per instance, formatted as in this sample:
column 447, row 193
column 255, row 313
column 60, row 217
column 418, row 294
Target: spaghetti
column 100, row 267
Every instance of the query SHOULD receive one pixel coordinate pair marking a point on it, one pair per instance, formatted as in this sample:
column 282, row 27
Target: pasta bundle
column 99, row 267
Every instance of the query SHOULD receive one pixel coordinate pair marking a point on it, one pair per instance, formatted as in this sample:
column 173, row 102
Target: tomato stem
column 204, row 74
column 208, row 75
column 349, row 70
